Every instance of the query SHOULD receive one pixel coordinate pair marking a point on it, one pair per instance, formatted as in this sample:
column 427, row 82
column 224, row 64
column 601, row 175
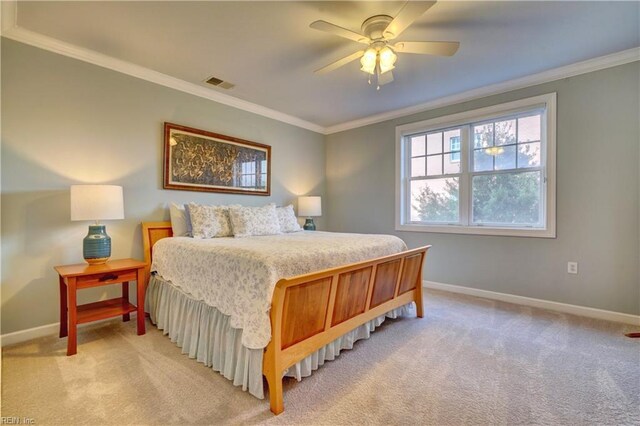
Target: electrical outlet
column 572, row 267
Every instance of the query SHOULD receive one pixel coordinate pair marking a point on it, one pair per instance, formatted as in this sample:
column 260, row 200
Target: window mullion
column 508, row 171
column 464, row 178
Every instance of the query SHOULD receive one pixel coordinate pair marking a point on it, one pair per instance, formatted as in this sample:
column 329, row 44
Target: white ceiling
column 269, row 52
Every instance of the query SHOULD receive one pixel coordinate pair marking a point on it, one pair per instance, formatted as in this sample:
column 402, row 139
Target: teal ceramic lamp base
column 96, row 246
column 309, row 225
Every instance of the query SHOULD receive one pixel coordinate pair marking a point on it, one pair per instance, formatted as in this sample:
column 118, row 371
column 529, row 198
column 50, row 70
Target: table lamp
column 96, row 202
column 308, row 207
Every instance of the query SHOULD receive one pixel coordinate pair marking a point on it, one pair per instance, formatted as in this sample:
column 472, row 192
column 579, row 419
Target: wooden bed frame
column 310, row 311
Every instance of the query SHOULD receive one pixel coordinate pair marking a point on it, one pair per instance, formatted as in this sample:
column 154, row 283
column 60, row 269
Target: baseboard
column 45, row 330
column 538, row 303
column 52, row 329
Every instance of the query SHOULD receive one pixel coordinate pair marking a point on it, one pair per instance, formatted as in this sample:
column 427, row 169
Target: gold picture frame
column 198, row 160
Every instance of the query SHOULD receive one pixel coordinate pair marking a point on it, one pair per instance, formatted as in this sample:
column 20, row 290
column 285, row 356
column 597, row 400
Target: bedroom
column 508, row 335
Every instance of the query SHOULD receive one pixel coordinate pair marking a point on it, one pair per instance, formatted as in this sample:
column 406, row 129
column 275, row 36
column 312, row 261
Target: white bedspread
column 237, row 275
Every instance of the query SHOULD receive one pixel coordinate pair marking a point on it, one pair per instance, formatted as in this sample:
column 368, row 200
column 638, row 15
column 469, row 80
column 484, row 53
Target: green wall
column 66, row 122
column 597, row 199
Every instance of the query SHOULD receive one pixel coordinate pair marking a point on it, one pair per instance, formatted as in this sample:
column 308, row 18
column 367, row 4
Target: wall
column 597, row 199
column 66, row 122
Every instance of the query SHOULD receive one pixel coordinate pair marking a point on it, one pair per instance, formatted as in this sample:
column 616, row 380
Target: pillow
column 247, row 221
column 180, row 223
column 209, row 221
column 287, row 219
column 188, row 218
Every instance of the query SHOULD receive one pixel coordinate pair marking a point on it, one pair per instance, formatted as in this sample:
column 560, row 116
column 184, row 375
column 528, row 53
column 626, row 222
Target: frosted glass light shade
column 96, row 202
column 387, row 59
column 309, row 206
column 369, row 60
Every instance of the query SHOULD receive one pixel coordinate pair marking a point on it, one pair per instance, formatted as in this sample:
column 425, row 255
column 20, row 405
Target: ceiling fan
column 377, row 32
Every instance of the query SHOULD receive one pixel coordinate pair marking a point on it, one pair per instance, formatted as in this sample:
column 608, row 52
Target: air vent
column 214, row 81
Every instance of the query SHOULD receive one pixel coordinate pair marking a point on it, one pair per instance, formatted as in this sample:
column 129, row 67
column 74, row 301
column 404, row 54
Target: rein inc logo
column 6, row 420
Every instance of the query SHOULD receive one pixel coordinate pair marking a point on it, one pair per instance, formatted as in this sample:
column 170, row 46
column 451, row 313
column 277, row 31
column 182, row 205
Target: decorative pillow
column 188, row 219
column 247, row 221
column 287, row 219
column 209, row 221
column 179, row 220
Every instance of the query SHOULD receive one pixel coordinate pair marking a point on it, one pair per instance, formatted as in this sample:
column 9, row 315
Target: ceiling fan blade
column 385, row 78
column 411, row 11
column 339, row 31
column 440, row 48
column 340, row 62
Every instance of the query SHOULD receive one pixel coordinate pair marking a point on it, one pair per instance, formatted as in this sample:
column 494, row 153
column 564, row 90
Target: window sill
column 477, row 230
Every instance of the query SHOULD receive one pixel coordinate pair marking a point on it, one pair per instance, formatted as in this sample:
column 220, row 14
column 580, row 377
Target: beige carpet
column 469, row 361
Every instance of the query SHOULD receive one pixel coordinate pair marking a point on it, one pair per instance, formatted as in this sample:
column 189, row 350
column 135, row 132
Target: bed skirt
column 204, row 334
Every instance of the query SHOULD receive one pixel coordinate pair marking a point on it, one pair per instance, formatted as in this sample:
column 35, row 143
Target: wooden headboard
column 152, row 232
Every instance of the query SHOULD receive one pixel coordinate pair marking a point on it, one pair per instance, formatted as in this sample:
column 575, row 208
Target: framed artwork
column 197, row 160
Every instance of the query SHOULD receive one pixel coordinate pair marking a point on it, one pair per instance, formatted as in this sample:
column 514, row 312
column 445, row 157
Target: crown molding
column 35, row 39
column 11, row 30
column 8, row 15
column 590, row 65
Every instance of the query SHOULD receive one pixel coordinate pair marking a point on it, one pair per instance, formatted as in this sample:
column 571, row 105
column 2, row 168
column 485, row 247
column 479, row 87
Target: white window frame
column 548, row 152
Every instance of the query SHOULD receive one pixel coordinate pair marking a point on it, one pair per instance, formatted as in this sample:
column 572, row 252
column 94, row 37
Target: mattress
column 237, row 276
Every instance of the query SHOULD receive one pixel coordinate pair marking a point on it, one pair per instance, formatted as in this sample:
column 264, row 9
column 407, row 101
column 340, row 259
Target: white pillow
column 179, row 220
column 247, row 221
column 287, row 219
column 209, row 221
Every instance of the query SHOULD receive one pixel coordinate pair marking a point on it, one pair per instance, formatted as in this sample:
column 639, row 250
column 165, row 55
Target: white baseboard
column 45, row 330
column 538, row 303
column 28, row 334
column 52, row 329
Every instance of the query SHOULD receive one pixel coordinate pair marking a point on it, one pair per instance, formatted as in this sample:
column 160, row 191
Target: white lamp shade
column 96, row 202
column 309, row 206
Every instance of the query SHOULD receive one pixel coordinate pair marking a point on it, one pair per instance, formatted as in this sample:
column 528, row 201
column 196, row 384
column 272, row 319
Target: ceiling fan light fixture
column 377, row 32
column 387, row 59
column 369, row 60
column 494, row 150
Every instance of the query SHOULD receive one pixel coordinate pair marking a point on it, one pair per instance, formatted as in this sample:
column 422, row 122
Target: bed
column 318, row 293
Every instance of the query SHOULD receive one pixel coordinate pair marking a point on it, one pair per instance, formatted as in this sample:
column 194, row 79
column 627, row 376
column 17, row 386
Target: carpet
column 470, row 361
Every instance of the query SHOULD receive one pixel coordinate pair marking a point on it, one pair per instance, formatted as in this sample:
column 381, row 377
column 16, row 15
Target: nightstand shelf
column 104, row 309
column 80, row 276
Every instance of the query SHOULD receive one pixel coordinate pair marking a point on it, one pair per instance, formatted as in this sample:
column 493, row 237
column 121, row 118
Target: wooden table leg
column 72, row 344
column 140, row 287
column 125, row 296
column 63, row 308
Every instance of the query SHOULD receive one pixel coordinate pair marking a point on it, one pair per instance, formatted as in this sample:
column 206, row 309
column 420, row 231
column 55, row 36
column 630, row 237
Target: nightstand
column 76, row 277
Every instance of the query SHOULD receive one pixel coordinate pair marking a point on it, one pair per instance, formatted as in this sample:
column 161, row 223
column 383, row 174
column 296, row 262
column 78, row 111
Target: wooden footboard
column 312, row 310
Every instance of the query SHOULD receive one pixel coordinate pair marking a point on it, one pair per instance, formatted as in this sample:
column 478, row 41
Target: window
column 489, row 171
column 252, row 174
column 263, row 173
column 454, row 147
column 248, row 174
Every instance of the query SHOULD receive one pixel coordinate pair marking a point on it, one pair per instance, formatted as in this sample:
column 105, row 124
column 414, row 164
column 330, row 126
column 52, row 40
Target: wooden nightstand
column 75, row 277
